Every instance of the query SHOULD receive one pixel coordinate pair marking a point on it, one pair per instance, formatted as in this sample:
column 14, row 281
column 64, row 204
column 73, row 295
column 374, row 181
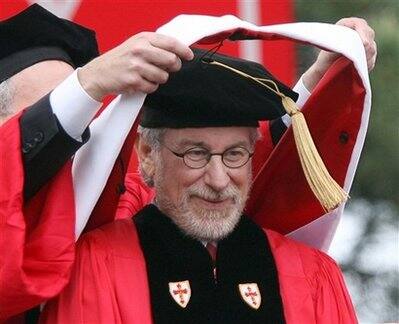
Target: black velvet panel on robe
column 243, row 257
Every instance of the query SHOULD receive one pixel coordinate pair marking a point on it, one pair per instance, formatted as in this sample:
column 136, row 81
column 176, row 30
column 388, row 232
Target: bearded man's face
column 206, row 202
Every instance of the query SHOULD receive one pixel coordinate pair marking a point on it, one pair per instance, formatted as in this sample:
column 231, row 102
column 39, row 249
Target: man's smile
column 210, row 203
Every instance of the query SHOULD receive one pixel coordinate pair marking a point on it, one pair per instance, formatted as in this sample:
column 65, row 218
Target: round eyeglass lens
column 196, row 158
column 235, row 157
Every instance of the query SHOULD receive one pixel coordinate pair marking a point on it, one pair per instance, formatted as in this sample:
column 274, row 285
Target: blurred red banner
column 116, row 20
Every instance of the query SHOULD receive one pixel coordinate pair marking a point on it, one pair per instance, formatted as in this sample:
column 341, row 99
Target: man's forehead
column 210, row 136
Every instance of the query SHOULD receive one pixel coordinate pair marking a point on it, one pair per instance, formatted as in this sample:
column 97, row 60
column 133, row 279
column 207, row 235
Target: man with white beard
column 36, row 251
column 192, row 256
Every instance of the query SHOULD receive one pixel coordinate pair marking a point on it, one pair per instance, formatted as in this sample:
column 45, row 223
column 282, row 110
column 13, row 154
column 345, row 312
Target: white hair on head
column 152, row 136
column 6, row 98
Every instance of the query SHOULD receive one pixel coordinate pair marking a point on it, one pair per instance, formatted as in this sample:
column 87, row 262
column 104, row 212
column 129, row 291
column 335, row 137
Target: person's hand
column 324, row 60
column 141, row 63
column 366, row 33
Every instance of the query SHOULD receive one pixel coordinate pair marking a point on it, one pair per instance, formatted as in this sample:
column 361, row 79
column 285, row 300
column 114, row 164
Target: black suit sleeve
column 46, row 147
column 277, row 130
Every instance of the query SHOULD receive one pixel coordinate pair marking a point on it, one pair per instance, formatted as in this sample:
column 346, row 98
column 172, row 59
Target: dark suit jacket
column 45, row 145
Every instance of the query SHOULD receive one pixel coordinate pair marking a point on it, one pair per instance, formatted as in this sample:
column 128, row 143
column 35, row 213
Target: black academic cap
column 207, row 95
column 36, row 35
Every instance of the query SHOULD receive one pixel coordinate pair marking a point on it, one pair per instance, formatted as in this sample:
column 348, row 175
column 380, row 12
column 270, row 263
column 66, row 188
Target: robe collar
column 244, row 257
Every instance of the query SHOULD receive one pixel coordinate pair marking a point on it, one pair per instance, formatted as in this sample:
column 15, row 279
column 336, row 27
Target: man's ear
column 145, row 156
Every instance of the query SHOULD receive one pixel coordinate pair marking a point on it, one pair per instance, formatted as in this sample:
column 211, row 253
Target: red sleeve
column 311, row 284
column 88, row 298
column 108, row 282
column 36, row 239
column 332, row 301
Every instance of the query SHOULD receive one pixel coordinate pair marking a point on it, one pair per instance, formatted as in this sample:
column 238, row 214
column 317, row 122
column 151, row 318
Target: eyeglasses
column 198, row 157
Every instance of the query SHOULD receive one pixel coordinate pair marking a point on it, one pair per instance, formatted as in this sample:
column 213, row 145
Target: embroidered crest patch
column 250, row 294
column 180, row 292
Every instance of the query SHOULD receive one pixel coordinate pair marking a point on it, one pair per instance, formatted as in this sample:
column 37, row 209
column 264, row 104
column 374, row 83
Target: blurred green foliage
column 375, row 192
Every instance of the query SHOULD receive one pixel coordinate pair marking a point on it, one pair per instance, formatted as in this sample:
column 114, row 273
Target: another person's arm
column 37, row 236
column 325, row 59
column 55, row 127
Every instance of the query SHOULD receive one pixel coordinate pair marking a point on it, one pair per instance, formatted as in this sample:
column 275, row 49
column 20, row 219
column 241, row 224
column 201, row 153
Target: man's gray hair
column 6, row 98
column 152, row 136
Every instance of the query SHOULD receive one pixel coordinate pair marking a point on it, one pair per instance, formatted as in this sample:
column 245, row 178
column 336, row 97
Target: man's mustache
column 231, row 192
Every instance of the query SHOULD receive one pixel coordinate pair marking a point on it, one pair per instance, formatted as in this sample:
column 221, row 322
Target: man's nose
column 216, row 175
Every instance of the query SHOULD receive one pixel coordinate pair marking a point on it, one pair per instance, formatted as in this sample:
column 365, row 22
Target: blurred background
column 367, row 241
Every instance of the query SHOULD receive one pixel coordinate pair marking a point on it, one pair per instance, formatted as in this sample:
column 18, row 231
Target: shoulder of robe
column 116, row 239
column 297, row 259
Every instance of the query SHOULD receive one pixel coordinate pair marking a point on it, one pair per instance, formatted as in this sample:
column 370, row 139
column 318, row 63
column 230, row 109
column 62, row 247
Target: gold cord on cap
column 324, row 187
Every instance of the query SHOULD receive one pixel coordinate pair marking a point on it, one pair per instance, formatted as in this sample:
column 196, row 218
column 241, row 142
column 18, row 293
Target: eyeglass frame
column 209, row 156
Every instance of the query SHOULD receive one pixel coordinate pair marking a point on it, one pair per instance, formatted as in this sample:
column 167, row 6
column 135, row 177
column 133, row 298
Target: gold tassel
column 324, row 187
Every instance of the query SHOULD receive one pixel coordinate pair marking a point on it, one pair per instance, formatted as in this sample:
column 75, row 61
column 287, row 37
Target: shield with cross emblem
column 180, row 292
column 250, row 294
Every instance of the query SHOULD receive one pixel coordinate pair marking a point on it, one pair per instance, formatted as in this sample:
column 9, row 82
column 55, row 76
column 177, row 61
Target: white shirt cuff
column 304, row 95
column 73, row 107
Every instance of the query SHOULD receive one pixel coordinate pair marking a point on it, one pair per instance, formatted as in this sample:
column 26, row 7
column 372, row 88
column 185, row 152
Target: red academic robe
column 37, row 249
column 109, row 282
column 36, row 238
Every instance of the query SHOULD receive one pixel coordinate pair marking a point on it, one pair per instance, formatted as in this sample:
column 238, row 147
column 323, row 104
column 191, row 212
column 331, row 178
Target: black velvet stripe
column 170, row 257
column 243, row 257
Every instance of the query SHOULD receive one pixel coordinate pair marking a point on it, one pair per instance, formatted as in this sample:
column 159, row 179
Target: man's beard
column 203, row 224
